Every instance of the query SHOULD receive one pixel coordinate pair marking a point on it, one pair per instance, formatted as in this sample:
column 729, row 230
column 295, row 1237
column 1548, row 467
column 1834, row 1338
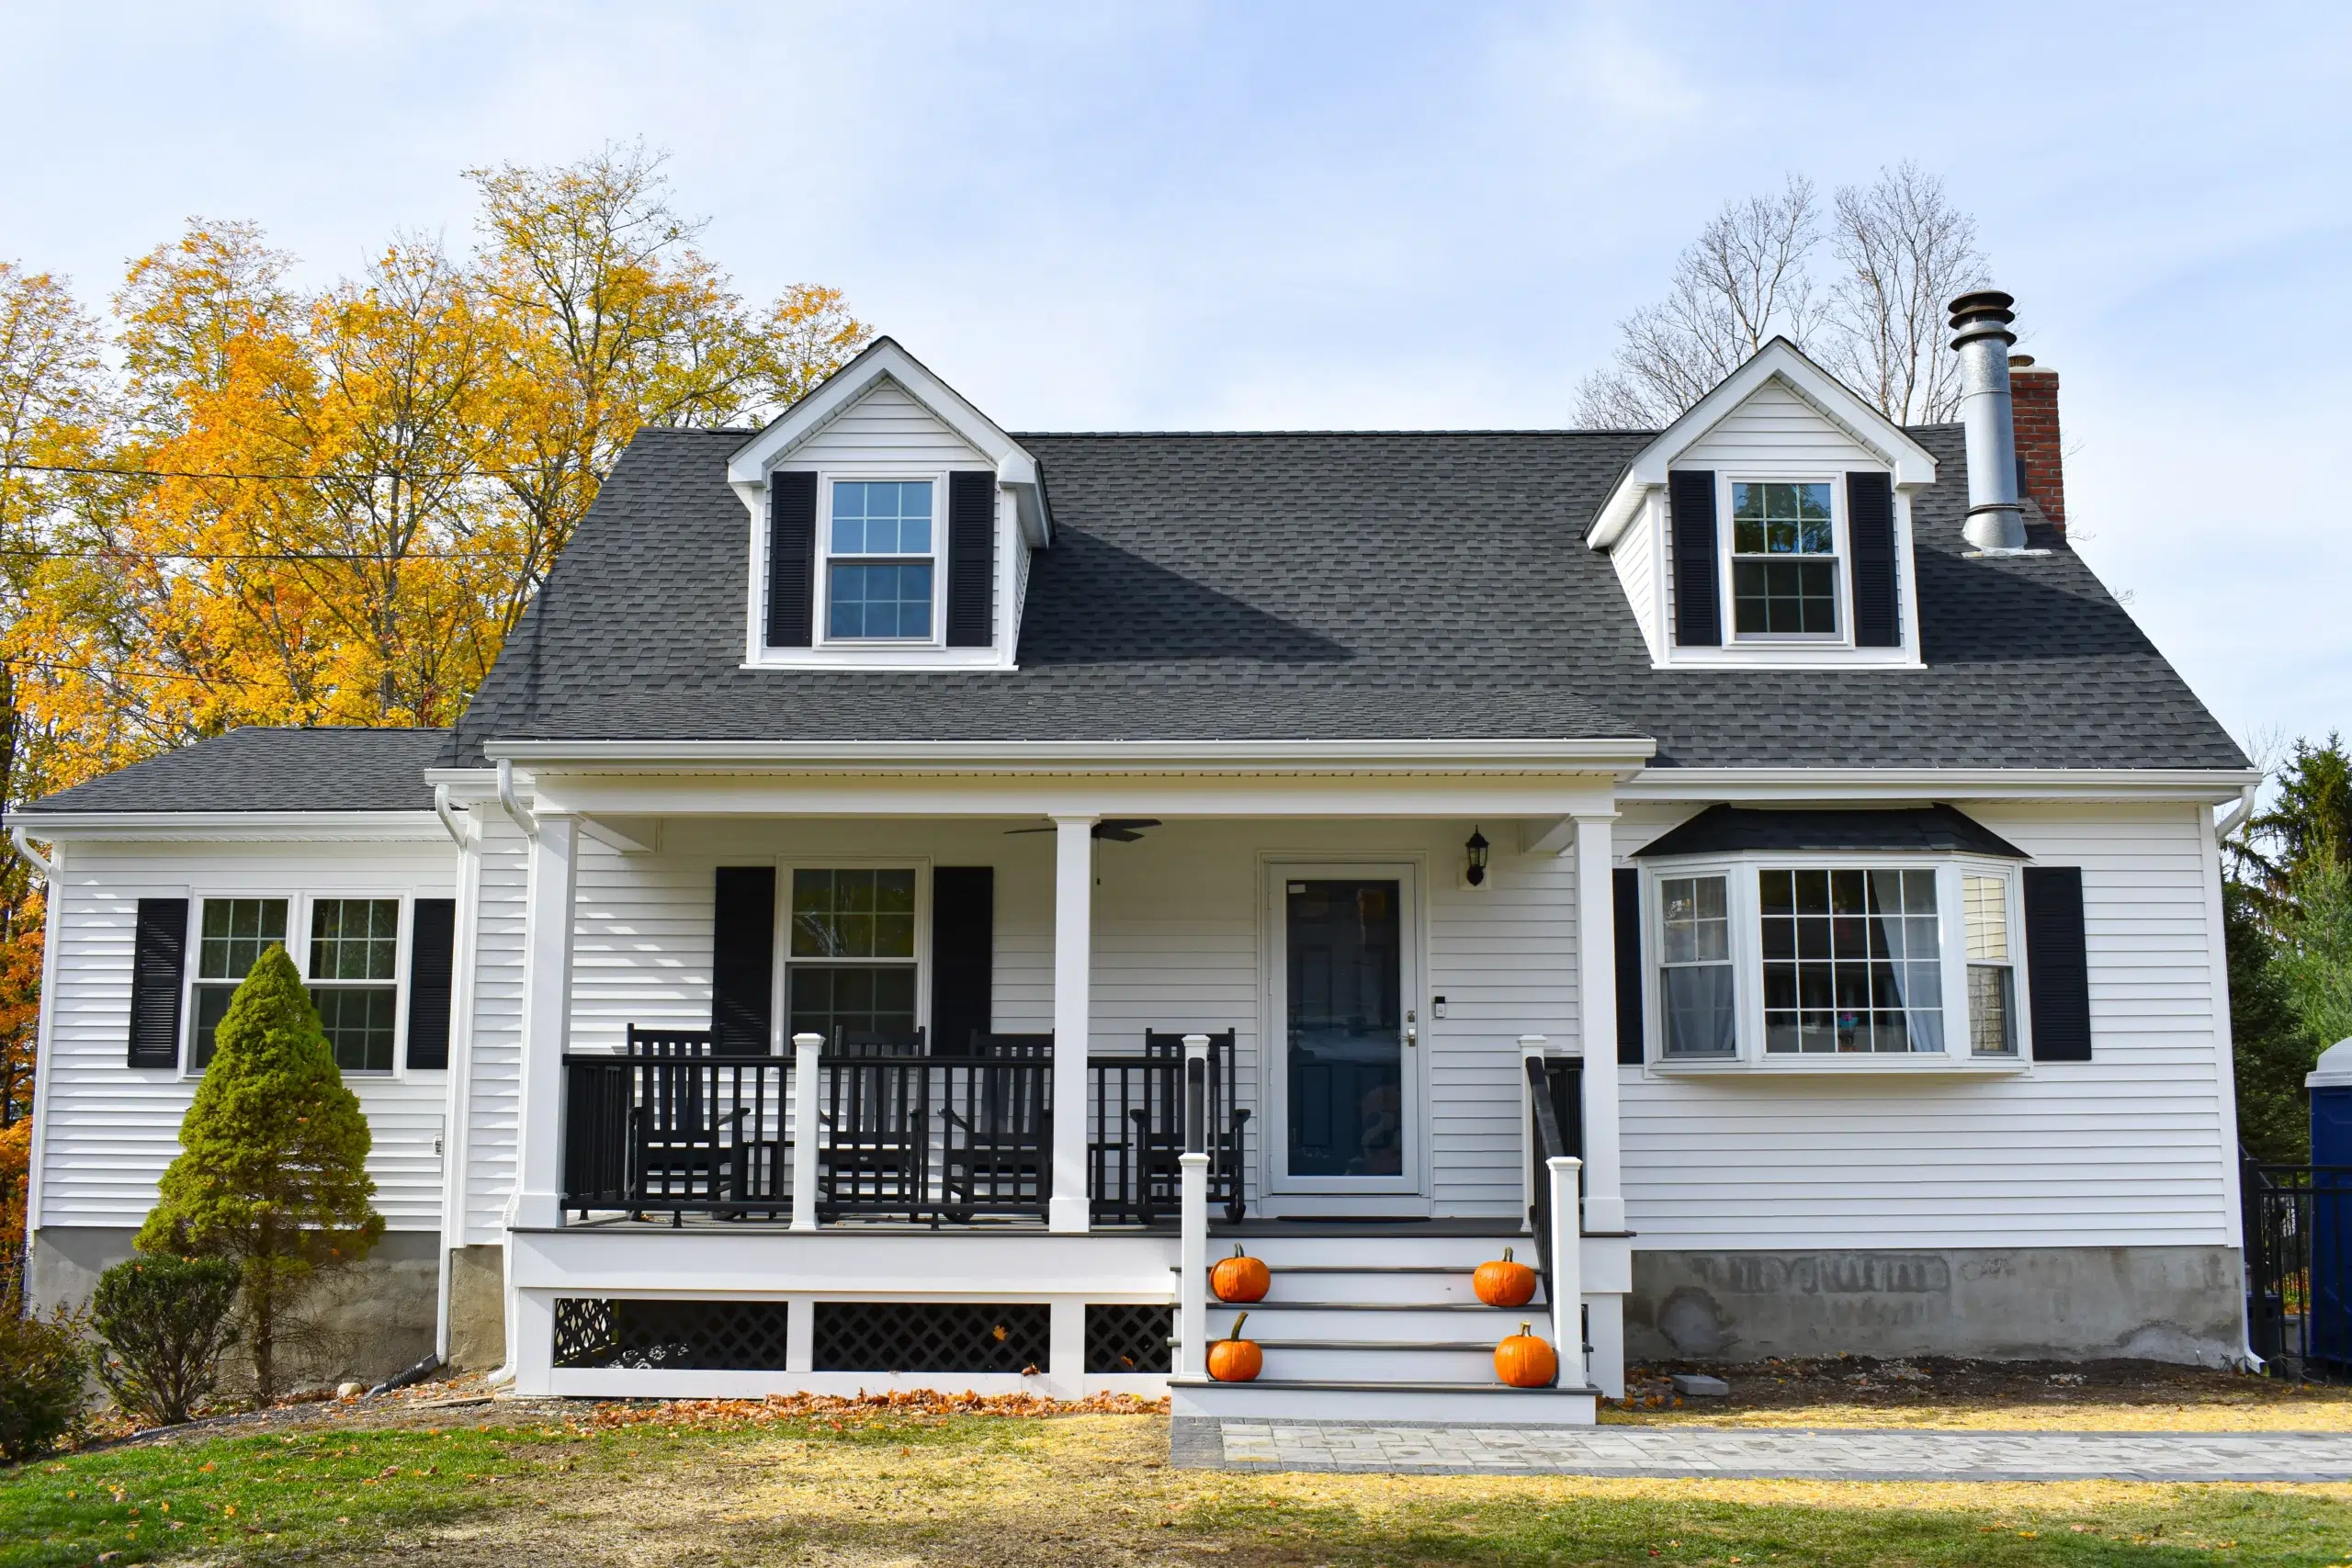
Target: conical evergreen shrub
column 273, row 1165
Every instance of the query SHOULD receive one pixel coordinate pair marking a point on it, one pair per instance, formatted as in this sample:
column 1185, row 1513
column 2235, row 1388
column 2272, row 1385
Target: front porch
column 723, row 1187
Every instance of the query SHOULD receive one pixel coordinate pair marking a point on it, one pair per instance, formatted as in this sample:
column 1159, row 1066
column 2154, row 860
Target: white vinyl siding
column 886, row 429
column 2130, row 1149
column 493, row 1061
column 1637, row 555
column 1773, row 431
column 110, row 1129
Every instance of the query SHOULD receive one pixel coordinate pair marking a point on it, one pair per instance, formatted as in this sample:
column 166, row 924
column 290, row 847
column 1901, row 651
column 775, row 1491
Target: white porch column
column 1604, row 1199
column 547, row 1022
column 1073, row 1003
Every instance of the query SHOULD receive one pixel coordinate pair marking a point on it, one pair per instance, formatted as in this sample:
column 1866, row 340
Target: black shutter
column 1627, row 887
column 963, row 955
column 1870, row 523
column 158, row 964
column 971, row 557
column 792, row 558
column 1698, row 598
column 2057, row 971
column 432, row 937
column 742, row 959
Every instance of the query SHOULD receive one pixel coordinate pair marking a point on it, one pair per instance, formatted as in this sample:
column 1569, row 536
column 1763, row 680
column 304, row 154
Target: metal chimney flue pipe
column 1981, row 336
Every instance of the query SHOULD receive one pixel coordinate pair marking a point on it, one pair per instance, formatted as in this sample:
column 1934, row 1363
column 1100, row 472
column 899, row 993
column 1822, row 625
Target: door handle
column 1412, row 1028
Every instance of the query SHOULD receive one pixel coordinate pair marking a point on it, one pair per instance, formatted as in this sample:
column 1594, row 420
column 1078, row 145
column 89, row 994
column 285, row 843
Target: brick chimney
column 2042, row 465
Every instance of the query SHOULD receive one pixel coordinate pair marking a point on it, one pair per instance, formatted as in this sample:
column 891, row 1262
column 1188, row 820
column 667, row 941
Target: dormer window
column 1784, row 560
column 881, row 556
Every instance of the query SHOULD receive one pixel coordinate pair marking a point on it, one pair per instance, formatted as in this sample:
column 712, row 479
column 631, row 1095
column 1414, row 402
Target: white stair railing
column 1567, row 1270
column 1192, row 1250
column 805, row 1124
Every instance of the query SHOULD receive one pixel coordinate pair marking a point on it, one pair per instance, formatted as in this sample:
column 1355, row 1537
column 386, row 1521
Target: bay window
column 1695, row 966
column 1839, row 961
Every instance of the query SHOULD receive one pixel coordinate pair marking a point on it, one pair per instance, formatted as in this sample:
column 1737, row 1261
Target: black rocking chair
column 997, row 1152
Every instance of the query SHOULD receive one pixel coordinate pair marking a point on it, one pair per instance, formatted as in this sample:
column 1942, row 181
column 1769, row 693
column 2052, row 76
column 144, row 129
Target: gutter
column 1622, row 755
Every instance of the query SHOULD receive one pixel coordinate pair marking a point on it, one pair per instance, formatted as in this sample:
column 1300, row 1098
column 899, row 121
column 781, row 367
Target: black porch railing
column 937, row 1137
column 1555, row 1128
column 1138, row 1132
column 2298, row 1236
column 673, row 1126
column 676, row 1126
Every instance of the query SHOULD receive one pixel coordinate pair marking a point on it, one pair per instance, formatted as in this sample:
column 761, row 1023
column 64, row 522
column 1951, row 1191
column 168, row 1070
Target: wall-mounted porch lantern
column 1476, row 874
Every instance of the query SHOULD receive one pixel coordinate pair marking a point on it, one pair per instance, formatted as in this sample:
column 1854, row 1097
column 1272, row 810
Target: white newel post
column 546, row 1021
column 1193, row 1247
column 1567, row 1273
column 1531, row 1049
column 807, row 1129
column 1604, row 1202
column 1073, row 969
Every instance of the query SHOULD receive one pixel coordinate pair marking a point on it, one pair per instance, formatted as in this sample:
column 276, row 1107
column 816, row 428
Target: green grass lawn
column 224, row 1497
column 977, row 1492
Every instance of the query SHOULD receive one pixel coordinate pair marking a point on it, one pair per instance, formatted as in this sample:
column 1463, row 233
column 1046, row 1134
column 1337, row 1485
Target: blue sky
column 1208, row 216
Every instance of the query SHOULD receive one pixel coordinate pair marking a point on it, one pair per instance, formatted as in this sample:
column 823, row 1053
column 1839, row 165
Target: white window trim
column 820, row 593
column 899, row 655
column 1794, row 653
column 298, row 948
column 921, row 865
column 1841, row 555
column 1747, row 966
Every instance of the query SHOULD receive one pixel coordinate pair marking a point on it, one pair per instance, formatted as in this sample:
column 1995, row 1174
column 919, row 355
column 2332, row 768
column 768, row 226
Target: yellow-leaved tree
column 289, row 506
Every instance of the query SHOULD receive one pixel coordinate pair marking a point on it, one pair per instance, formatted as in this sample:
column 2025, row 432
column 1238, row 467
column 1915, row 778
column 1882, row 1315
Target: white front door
column 1344, row 1081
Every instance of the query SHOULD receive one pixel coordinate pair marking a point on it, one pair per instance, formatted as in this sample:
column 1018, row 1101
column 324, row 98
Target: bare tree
column 1740, row 284
column 1904, row 251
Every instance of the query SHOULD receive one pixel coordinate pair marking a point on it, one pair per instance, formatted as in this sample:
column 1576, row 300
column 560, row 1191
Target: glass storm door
column 1350, row 1079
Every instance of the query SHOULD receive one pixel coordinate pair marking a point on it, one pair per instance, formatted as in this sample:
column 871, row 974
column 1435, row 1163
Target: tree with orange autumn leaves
column 278, row 506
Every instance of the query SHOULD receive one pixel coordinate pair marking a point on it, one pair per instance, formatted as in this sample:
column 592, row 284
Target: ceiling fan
column 1118, row 830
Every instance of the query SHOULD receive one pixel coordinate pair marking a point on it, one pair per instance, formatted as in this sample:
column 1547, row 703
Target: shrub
column 164, row 1322
column 42, row 1390
column 273, row 1163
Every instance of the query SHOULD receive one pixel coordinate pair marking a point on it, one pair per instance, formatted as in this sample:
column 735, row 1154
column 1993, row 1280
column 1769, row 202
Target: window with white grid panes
column 231, row 935
column 1992, row 967
column 851, row 961
column 355, row 968
column 1853, row 961
column 1696, row 981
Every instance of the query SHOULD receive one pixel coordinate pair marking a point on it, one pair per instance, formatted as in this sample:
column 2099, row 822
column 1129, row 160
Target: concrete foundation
column 477, row 1308
column 366, row 1322
column 2165, row 1303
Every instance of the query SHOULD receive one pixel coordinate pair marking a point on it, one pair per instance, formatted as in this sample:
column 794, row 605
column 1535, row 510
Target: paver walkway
column 1754, row 1452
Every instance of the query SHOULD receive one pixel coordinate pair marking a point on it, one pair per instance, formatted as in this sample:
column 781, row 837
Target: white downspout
column 32, row 857
column 512, row 803
column 2232, row 820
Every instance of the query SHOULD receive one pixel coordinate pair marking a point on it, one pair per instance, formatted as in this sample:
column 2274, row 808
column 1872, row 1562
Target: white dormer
column 1770, row 525
column 891, row 526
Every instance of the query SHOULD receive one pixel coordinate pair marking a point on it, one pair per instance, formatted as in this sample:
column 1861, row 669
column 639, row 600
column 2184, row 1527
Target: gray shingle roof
column 1399, row 586
column 1334, row 587
column 271, row 769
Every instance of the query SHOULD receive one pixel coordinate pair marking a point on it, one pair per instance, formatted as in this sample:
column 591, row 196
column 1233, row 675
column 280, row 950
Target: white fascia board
column 1912, row 466
column 1832, row 785
column 1016, row 468
column 1619, row 756
column 335, row 826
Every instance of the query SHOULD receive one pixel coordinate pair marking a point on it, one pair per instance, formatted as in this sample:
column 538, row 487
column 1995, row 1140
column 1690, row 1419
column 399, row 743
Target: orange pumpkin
column 1234, row 1358
column 1240, row 1277
column 1524, row 1362
column 1503, row 1283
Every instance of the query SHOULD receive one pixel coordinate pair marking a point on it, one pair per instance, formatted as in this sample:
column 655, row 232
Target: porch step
column 1278, row 1399
column 1377, row 1323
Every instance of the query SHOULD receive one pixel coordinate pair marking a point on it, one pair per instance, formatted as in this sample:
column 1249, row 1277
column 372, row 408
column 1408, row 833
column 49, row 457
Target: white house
column 1762, row 841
